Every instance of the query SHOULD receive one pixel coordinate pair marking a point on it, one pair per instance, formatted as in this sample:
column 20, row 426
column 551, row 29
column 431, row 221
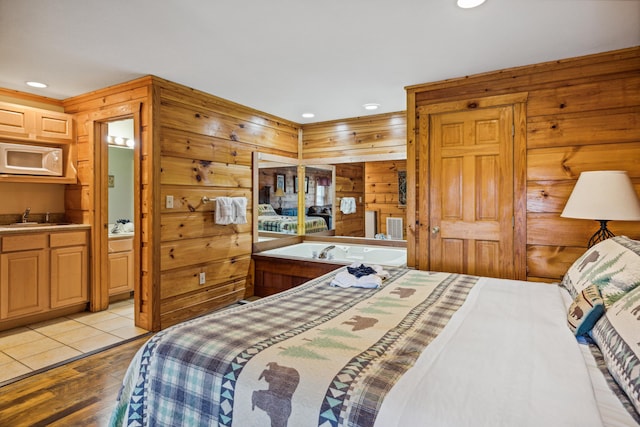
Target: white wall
column 121, row 194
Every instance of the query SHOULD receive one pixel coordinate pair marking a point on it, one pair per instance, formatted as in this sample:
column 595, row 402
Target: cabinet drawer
column 72, row 238
column 120, row 245
column 24, row 242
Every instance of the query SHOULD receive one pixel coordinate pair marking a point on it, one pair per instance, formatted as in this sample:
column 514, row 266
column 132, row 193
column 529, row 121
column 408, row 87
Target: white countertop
column 40, row 227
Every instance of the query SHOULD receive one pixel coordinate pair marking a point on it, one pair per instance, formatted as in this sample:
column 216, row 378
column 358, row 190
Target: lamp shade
column 603, row 195
column 279, row 192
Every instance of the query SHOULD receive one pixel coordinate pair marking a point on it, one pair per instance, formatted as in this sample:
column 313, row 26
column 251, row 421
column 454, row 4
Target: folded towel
column 373, row 279
column 346, row 280
column 224, row 210
column 348, row 205
column 239, row 210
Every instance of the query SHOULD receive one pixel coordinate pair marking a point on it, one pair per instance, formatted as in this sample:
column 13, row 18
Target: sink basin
column 34, row 224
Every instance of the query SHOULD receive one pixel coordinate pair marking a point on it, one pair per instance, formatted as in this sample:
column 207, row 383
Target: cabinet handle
column 435, row 230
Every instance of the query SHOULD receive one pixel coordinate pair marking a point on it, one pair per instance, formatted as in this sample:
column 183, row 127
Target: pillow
column 585, row 311
column 312, row 210
column 613, row 265
column 266, row 209
column 617, row 334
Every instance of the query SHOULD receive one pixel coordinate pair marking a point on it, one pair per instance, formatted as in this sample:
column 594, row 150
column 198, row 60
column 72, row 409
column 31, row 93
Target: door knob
column 435, row 230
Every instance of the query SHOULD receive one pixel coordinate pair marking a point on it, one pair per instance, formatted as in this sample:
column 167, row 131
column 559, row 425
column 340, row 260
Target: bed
column 269, row 220
column 422, row 349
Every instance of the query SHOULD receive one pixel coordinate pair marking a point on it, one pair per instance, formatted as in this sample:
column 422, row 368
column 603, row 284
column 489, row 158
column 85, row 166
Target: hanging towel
column 348, row 205
column 224, row 210
column 239, row 210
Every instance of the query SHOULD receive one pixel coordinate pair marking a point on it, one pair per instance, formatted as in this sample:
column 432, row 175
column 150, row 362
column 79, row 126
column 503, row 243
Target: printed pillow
column 585, row 311
column 613, row 265
column 266, row 209
column 617, row 333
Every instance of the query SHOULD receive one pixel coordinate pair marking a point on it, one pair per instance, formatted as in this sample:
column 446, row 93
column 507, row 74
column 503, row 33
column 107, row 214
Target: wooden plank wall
column 206, row 147
column 582, row 114
column 379, row 140
column 197, row 145
column 381, row 192
column 370, row 138
column 80, row 199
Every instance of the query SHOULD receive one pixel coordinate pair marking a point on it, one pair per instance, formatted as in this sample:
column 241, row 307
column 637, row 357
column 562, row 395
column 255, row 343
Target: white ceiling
column 286, row 57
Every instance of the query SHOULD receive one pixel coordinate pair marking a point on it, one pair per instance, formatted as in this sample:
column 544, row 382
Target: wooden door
column 472, row 192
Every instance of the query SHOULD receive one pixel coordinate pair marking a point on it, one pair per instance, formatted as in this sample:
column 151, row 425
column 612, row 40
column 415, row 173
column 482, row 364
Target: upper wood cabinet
column 19, row 123
column 35, row 124
column 52, row 126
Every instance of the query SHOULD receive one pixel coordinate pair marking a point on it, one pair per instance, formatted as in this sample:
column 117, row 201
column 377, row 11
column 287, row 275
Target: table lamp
column 603, row 196
column 279, row 193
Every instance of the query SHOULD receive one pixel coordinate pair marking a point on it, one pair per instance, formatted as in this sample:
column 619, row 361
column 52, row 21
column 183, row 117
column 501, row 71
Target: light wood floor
column 80, row 393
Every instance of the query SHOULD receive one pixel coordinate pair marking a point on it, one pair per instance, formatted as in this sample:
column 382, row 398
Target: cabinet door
column 68, row 276
column 24, row 283
column 15, row 120
column 120, row 272
column 53, row 126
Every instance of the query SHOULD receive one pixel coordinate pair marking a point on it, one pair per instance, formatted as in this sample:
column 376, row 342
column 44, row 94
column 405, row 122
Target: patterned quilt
column 312, row 356
column 289, row 224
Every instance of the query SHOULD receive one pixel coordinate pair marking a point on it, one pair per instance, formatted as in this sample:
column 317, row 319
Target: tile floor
column 30, row 348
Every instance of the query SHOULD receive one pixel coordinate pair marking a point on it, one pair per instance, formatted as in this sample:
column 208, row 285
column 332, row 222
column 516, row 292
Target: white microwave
column 24, row 159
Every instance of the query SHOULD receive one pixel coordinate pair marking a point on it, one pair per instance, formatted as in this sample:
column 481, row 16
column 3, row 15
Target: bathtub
column 344, row 254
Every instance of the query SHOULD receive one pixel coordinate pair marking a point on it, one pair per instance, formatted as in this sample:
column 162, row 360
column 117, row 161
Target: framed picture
column 402, row 188
column 280, row 182
column 306, row 184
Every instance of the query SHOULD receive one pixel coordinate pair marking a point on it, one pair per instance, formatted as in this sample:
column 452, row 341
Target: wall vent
column 394, row 228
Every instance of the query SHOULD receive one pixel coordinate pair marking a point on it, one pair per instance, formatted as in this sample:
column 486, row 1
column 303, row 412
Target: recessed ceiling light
column 468, row 4
column 308, row 115
column 36, row 84
column 371, row 106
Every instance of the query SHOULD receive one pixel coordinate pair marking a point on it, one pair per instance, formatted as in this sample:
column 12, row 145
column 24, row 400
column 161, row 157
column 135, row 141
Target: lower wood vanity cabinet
column 41, row 272
column 120, row 265
column 69, row 264
column 24, row 275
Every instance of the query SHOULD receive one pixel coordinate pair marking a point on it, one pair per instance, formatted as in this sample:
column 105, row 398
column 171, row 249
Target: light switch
column 203, row 278
column 169, row 202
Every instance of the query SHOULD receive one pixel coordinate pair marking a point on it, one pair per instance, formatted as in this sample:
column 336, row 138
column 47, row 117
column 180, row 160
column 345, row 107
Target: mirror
column 284, row 191
column 376, row 186
column 319, row 197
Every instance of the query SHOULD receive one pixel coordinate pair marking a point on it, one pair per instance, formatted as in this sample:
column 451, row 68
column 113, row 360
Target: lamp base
column 602, row 234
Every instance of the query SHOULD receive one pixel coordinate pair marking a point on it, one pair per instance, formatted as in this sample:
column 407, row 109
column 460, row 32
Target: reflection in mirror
column 316, row 191
column 275, row 214
column 319, row 196
column 285, row 196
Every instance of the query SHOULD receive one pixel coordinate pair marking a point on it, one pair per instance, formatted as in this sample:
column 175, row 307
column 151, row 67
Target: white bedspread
column 527, row 368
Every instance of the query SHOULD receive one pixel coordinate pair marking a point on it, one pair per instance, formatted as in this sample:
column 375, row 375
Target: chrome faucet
column 25, row 215
column 323, row 253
